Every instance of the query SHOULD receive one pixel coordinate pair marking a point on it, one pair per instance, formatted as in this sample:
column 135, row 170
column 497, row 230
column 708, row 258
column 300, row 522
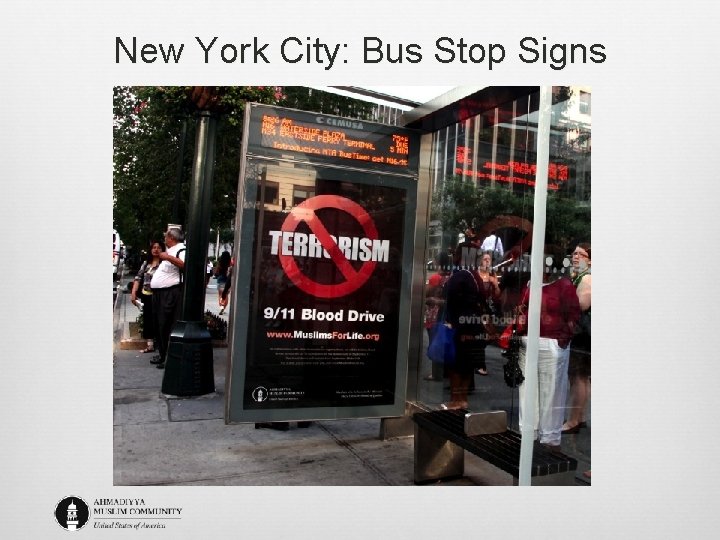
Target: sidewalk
column 186, row 441
column 160, row 441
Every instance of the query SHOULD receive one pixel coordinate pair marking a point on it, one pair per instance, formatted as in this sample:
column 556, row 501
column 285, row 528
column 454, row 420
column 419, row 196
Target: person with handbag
column 141, row 291
column 559, row 314
column 464, row 310
column 435, row 304
column 579, row 368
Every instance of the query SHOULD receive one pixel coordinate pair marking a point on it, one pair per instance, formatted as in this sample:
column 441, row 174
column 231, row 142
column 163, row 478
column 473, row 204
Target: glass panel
column 479, row 236
column 480, row 233
column 564, row 347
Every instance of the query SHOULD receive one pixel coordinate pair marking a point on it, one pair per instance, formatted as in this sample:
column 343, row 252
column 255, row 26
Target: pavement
column 184, row 441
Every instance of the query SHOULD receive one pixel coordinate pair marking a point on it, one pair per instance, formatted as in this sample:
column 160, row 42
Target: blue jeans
column 552, row 389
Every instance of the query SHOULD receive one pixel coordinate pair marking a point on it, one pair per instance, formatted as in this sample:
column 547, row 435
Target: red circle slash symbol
column 305, row 212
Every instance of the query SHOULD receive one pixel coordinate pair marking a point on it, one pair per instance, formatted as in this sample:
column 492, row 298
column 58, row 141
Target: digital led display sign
column 509, row 171
column 329, row 139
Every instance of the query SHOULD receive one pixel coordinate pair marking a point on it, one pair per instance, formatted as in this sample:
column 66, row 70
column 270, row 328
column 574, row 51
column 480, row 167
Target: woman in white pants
column 559, row 313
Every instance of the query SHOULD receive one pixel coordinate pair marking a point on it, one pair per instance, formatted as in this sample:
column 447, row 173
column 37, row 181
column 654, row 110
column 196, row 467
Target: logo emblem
column 305, row 212
column 72, row 513
column 260, row 394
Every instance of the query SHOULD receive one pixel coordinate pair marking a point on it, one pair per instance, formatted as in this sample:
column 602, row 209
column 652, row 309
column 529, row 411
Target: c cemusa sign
column 321, row 289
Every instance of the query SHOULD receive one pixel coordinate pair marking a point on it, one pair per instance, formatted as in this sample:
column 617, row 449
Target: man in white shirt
column 167, row 290
column 494, row 244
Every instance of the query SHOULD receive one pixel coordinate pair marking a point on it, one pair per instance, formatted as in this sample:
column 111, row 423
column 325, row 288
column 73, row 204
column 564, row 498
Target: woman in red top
column 559, row 313
column 490, row 290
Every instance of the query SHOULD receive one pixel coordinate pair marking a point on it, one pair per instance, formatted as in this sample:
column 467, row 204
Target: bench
column 441, row 438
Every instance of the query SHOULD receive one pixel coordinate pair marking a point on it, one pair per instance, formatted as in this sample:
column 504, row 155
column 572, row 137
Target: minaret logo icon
column 72, row 520
column 72, row 513
column 260, row 394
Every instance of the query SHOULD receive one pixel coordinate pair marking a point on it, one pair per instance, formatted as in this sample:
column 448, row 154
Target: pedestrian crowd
column 158, row 290
column 468, row 296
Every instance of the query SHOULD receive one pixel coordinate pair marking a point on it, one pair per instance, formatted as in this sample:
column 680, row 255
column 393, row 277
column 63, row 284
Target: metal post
column 198, row 233
column 536, row 272
column 178, row 174
column 189, row 364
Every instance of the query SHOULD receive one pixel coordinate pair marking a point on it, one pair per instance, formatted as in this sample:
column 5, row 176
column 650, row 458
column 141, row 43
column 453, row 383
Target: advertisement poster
column 321, row 304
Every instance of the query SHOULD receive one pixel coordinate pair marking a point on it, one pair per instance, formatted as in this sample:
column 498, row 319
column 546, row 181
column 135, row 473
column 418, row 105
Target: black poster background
column 285, row 371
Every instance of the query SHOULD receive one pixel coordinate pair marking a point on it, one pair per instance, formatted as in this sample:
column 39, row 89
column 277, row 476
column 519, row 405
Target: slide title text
column 373, row 50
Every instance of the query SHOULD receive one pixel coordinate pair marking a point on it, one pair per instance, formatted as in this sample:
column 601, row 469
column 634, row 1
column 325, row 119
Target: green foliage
column 459, row 203
column 566, row 221
column 309, row 99
column 216, row 326
column 148, row 123
column 140, row 320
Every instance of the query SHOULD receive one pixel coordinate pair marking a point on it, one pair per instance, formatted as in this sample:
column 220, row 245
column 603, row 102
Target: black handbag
column 512, row 373
column 583, row 325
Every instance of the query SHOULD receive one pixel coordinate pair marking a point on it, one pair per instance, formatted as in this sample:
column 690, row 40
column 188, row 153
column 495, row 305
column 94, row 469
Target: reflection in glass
column 482, row 183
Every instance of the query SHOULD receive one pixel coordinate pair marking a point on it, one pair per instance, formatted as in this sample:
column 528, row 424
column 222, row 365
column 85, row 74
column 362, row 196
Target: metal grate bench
column 440, row 441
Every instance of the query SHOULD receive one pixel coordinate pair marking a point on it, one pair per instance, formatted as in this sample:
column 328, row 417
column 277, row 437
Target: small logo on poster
column 72, row 513
column 260, row 394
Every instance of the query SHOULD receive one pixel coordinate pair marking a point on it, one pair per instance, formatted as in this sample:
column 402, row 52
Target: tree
column 151, row 162
column 460, row 203
column 148, row 150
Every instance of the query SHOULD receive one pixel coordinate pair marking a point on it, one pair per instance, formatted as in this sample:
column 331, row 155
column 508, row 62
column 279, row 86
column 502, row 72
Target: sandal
column 454, row 405
column 570, row 430
column 481, row 371
column 147, row 350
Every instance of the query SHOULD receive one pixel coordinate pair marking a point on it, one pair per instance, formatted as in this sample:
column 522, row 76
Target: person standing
column 494, row 244
column 226, row 289
column 222, row 271
column 579, row 370
column 208, row 272
column 464, row 310
column 559, row 313
column 435, row 306
column 167, row 291
column 490, row 293
column 142, row 291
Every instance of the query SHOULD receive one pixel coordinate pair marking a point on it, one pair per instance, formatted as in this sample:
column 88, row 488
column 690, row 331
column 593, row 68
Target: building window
column 272, row 192
column 585, row 102
column 300, row 193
